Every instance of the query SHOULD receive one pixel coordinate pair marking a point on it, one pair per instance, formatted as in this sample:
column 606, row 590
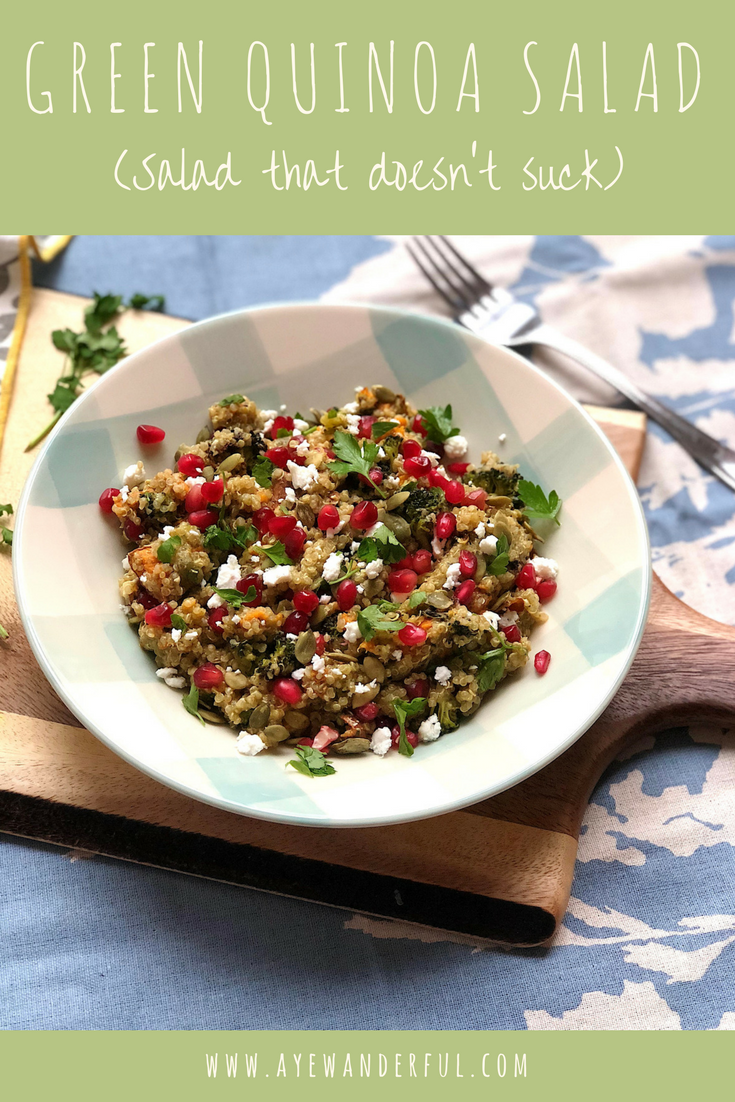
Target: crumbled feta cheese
column 297, row 675
column 124, row 493
column 503, row 437
column 430, row 729
column 381, row 453
column 488, row 545
column 290, row 493
column 332, row 567
column 175, row 634
column 507, row 619
column 302, row 447
column 195, row 480
column 547, row 569
column 176, row 682
column 352, row 632
column 167, row 532
column 191, row 635
column 303, row 478
column 443, row 675
column 373, row 530
column 171, row 677
column 276, row 574
column 317, row 663
column 325, row 598
column 134, row 475
column 353, row 423
column 351, row 407
column 248, row 744
column 432, row 457
column 282, row 407
column 292, row 638
column 392, row 482
column 144, row 578
column 360, row 688
column 381, row 741
column 373, row 568
column 397, row 655
column 492, row 618
column 266, row 413
column 268, row 425
column 455, row 447
column 166, row 671
column 229, row 573
column 355, row 546
column 332, row 532
column 480, row 530
column 215, row 601
column 126, row 563
column 437, row 547
column 233, row 620
column 453, row 576
column 361, row 589
column 302, row 426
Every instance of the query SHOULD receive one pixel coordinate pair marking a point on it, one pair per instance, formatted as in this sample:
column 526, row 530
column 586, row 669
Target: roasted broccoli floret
column 390, row 446
column 421, row 508
column 496, row 482
column 447, row 711
column 280, row 659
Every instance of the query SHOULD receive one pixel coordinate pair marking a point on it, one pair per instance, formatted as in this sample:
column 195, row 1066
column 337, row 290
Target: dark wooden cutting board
column 501, row 870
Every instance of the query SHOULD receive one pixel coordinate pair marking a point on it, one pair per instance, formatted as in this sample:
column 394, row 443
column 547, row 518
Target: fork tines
column 450, row 274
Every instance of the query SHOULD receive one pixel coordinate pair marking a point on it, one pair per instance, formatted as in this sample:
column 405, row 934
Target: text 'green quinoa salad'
column 342, row 583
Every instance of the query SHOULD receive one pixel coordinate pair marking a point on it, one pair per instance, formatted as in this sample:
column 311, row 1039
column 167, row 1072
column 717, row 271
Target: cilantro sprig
column 191, row 703
column 403, row 710
column 382, row 428
column 499, row 565
column 375, row 618
column 438, row 423
column 311, row 762
column 491, row 667
column 222, row 538
column 354, row 459
column 536, row 505
column 276, row 552
column 168, row 548
column 96, row 349
column 231, row 400
column 263, row 470
column 234, row 597
column 383, row 544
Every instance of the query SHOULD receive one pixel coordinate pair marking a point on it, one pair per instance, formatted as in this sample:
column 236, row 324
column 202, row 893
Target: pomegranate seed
column 546, row 590
column 418, row 688
column 346, row 594
column 367, row 712
column 404, row 564
column 305, row 742
column 281, row 526
column 321, row 644
column 262, row 519
column 436, row 478
column 305, row 600
column 324, row 737
column 365, row 428
column 418, row 425
column 144, row 598
column 159, row 616
column 212, row 491
column 295, row 623
column 422, row 562
column 279, row 457
column 526, row 577
column 410, row 449
column 402, row 582
column 412, row 635
column 467, row 564
column 376, row 475
column 294, row 457
column 150, row 434
column 457, row 468
column 132, row 530
column 329, row 453
column 465, row 591
column 476, row 498
column 364, row 515
column 419, row 466
column 445, row 525
column 256, row 581
column 195, row 500
column 328, row 517
column 541, row 661
column 207, row 677
column 395, row 737
column 454, row 493
column 214, row 618
column 106, row 499
column 294, row 543
column 191, row 465
column 287, row 690
column 203, row 518
column 512, row 633
column 281, row 423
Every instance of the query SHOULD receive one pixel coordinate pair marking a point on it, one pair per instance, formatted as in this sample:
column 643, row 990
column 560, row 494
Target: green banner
column 384, row 117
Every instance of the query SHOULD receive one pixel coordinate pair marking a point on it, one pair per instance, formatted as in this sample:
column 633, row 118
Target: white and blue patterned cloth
column 649, row 939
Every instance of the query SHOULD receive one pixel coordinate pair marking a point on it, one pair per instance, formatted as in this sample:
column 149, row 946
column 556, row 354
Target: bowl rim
column 264, row 814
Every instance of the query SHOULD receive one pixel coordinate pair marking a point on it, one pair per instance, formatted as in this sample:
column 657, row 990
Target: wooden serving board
column 501, row 870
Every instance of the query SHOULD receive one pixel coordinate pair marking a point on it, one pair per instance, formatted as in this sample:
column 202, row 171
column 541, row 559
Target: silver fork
column 493, row 313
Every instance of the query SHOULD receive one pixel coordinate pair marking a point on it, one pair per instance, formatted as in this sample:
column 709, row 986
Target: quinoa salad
column 340, row 583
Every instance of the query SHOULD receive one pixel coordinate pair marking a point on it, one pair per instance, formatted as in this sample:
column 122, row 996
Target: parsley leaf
column 167, row 549
column 417, row 598
column 61, row 397
column 232, row 400
column 277, row 554
column 368, row 550
column 311, row 762
column 373, row 619
column 6, row 509
column 491, row 668
column 353, row 459
column 391, row 548
column 155, row 303
column 234, row 597
column 403, row 710
column 191, row 702
column 438, row 423
column 178, row 622
column 221, row 538
column 537, row 504
column 499, row 565
column 7, row 535
column 262, row 470
column 382, row 428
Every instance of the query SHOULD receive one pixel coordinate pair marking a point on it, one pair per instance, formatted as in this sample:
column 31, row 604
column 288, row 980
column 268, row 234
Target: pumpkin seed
column 231, row 462
column 236, row 680
column 320, row 614
column 397, row 499
column 439, row 600
column 208, row 473
column 305, row 514
column 211, row 717
column 317, row 414
column 481, row 568
column 260, row 717
column 296, row 721
column 275, row 733
column 364, row 696
column 400, row 528
column 383, row 393
column 371, row 587
column 499, row 501
column 351, row 746
column 305, row 648
column 204, row 434
column 374, row 669
column 181, row 450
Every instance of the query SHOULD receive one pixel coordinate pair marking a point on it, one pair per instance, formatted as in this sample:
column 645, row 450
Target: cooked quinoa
column 345, row 581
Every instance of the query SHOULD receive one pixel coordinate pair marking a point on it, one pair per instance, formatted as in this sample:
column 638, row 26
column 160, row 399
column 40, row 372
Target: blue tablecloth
column 649, row 940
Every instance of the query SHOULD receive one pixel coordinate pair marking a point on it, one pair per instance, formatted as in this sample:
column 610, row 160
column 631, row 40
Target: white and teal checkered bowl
column 67, row 556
